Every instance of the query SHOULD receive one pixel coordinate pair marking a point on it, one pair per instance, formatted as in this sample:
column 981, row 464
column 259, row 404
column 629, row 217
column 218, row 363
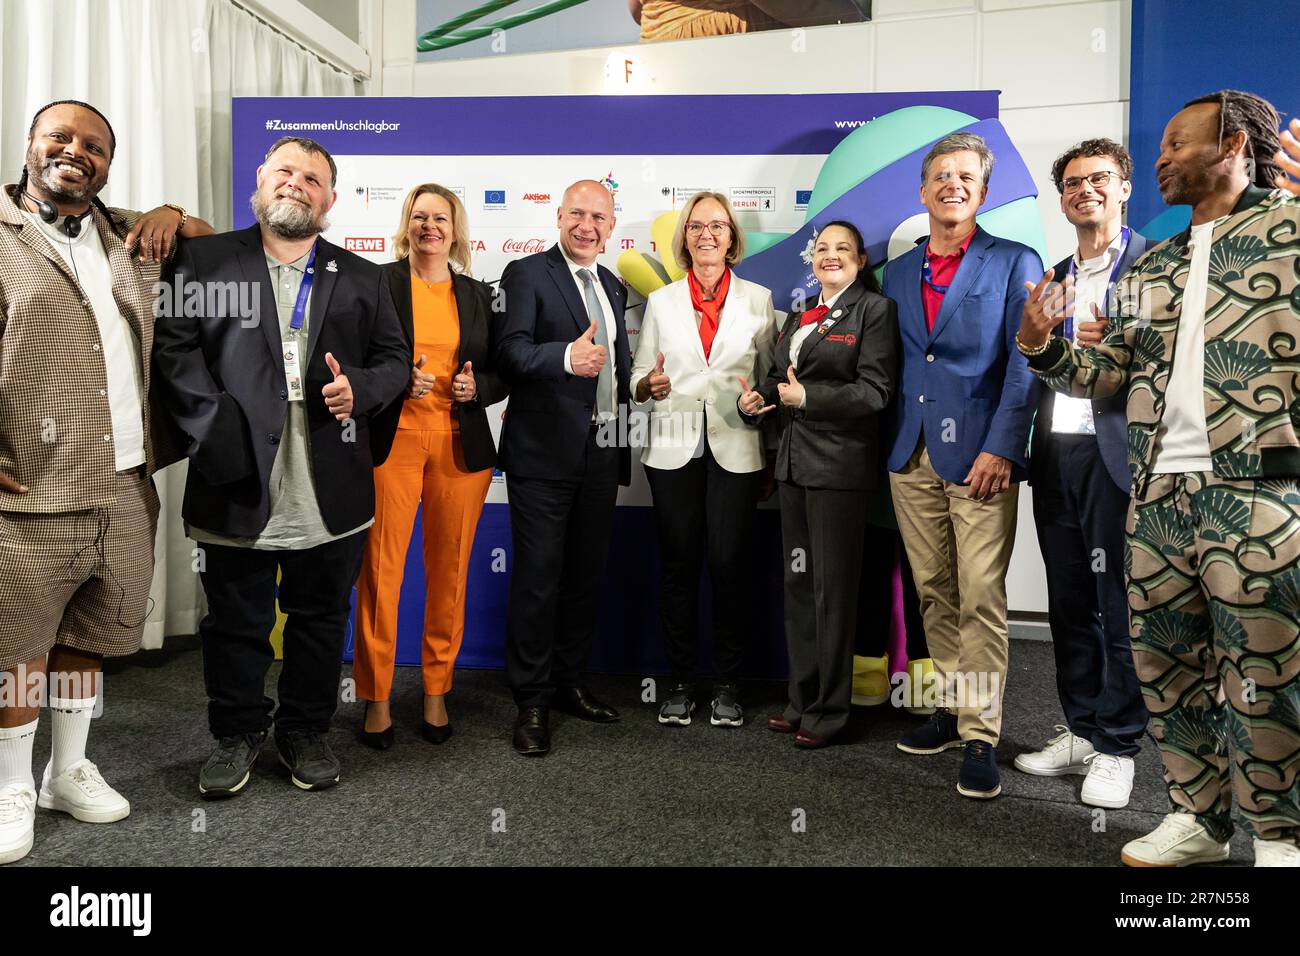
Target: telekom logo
column 523, row 245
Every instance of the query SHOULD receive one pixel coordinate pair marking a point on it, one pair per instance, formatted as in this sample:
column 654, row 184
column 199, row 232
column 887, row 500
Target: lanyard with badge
column 292, row 346
column 1110, row 283
column 927, row 280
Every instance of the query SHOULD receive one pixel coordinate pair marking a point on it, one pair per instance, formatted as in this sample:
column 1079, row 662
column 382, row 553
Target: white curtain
column 163, row 72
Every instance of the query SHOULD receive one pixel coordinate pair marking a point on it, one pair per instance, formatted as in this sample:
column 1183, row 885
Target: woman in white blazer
column 703, row 339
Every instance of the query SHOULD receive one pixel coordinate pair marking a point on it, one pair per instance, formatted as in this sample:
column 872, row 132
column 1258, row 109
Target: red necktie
column 813, row 315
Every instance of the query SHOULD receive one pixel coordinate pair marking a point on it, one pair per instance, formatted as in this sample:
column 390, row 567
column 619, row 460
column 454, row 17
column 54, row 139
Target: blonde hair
column 736, row 252
column 458, row 256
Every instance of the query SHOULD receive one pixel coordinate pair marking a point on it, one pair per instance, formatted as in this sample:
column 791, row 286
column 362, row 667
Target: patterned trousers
column 1213, row 570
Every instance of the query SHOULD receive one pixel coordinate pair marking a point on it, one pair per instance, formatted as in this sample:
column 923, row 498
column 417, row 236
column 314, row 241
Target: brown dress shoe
column 809, row 740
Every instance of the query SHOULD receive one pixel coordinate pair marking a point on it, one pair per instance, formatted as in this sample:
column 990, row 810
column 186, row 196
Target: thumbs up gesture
column 338, row 393
column 790, row 390
column 463, row 386
column 656, row 385
column 586, row 358
column 751, row 402
column 421, row 382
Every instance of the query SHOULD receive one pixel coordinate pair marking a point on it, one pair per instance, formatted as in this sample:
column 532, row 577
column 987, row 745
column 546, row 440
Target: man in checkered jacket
column 77, row 451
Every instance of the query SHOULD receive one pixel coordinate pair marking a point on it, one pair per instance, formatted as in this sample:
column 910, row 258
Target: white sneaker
column 17, row 822
column 1109, row 782
column 81, row 791
column 1178, row 841
column 1270, row 853
column 1064, row 753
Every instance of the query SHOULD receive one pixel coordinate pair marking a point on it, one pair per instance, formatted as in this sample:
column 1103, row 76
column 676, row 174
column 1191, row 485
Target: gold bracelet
column 1027, row 351
column 185, row 217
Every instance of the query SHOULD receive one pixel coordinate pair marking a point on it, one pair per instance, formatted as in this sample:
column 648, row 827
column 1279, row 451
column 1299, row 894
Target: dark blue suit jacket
column 1109, row 415
column 965, row 386
column 548, row 418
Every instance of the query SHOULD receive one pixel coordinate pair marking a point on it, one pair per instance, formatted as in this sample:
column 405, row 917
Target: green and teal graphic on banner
column 786, row 162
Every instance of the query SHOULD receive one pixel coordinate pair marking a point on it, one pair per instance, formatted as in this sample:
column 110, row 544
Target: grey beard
column 44, row 174
column 288, row 219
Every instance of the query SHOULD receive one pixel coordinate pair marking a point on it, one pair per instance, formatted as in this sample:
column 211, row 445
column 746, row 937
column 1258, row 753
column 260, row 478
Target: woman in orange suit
column 442, row 457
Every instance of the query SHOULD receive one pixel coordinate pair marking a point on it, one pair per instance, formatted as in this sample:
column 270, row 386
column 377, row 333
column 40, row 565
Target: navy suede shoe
column 936, row 735
column 979, row 771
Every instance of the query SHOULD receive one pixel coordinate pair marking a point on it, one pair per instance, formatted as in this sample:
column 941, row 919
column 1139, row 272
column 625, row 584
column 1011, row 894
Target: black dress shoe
column 580, row 703
column 377, row 739
column 532, row 736
column 435, row 734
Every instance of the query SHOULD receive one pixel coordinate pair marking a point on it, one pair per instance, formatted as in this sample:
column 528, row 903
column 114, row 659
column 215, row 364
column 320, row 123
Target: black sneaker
column 979, row 771
column 727, row 711
column 311, row 763
column 936, row 735
column 677, row 709
column 228, row 769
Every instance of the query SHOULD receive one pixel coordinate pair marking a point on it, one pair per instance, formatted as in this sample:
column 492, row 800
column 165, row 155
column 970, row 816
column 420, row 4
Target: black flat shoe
column 375, row 740
column 434, row 734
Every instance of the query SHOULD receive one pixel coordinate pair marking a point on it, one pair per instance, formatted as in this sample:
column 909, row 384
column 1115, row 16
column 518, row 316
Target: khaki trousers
column 959, row 550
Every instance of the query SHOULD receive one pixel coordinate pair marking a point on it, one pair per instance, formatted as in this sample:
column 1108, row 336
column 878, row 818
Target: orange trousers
column 424, row 467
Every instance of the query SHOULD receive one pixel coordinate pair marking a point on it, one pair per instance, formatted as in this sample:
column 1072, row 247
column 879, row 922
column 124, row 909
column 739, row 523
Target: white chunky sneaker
column 17, row 822
column 81, row 791
column 1178, row 841
column 1267, row 853
column 1065, row 753
column 1109, row 782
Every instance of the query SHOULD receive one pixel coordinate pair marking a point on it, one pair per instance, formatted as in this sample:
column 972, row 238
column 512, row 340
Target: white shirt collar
column 1105, row 260
column 574, row 267
column 830, row 303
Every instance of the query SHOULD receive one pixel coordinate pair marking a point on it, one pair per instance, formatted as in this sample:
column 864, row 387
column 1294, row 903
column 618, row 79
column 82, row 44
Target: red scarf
column 708, row 309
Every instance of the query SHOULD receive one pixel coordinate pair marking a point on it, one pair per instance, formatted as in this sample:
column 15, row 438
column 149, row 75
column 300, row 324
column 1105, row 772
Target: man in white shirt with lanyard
column 1079, row 472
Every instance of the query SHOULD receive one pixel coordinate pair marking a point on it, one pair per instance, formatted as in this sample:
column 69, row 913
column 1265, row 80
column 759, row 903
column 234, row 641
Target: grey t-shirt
column 295, row 521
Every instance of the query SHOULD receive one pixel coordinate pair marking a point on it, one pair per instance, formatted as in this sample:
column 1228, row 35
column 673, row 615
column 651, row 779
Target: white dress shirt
column 802, row 333
column 1183, row 439
column 88, row 261
column 1070, row 415
column 611, row 329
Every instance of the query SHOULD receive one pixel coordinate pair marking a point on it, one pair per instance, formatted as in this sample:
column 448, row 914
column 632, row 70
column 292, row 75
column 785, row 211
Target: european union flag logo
column 494, row 197
column 802, row 197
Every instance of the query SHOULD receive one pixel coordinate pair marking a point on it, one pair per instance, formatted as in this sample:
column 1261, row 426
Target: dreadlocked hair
column 115, row 222
column 1255, row 116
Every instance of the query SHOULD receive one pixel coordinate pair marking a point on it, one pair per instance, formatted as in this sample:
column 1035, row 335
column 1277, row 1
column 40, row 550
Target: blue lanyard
column 925, row 277
column 304, row 290
column 1110, row 283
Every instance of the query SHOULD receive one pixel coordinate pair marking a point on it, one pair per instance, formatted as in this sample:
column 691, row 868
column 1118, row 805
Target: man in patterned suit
column 1204, row 336
column 77, row 506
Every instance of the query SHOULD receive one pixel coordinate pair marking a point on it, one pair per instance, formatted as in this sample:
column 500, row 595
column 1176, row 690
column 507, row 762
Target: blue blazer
column 965, row 386
column 548, row 419
column 1109, row 415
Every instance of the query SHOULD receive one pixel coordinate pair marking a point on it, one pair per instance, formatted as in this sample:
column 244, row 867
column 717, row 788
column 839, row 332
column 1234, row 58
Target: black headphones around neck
column 49, row 213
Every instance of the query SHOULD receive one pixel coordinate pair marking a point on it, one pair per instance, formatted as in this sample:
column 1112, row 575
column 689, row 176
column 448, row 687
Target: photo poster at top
column 787, row 162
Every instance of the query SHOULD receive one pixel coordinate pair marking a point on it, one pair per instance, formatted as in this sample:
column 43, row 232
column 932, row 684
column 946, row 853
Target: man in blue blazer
column 1078, row 465
column 965, row 402
column 563, row 350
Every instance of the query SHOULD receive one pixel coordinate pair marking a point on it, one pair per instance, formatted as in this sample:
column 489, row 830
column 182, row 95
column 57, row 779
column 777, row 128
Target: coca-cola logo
column 523, row 245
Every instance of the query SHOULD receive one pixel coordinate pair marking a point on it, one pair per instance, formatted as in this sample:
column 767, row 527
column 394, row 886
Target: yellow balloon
column 633, row 267
column 661, row 231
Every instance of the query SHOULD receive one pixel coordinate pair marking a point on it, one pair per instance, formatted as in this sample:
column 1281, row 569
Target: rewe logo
column 363, row 243
column 134, row 910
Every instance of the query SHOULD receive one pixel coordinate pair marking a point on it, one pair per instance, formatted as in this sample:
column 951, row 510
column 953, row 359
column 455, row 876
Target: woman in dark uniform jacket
column 834, row 372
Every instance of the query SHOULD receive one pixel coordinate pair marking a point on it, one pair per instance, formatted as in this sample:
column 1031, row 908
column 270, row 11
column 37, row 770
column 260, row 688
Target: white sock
column 70, row 726
column 16, row 755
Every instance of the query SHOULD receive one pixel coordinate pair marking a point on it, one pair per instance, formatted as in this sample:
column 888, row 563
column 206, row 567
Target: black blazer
column 1109, row 415
column 222, row 377
column 848, row 374
column 474, row 312
column 549, row 416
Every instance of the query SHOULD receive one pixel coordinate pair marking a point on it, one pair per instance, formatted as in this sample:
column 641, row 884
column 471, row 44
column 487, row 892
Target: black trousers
column 314, row 591
column 560, row 532
column 701, row 508
column 821, row 535
column 882, row 548
column 1080, row 515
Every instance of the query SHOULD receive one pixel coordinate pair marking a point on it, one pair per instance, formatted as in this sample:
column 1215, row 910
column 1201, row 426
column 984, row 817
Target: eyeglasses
column 717, row 227
column 1098, row 180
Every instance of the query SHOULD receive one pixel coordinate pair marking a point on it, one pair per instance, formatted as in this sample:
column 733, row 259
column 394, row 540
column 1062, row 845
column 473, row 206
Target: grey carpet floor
column 629, row 793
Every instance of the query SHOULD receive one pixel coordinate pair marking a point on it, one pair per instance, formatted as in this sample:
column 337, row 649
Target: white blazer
column 704, row 392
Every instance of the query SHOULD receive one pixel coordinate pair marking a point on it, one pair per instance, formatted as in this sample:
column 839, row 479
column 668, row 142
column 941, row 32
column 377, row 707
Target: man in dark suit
column 1078, row 466
column 563, row 350
column 285, row 348
column 965, row 402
